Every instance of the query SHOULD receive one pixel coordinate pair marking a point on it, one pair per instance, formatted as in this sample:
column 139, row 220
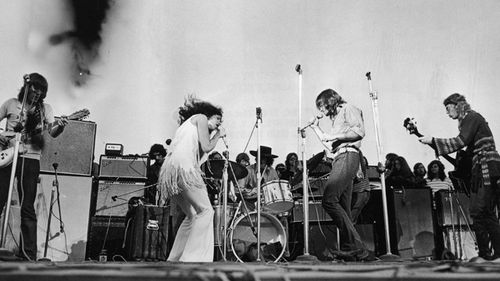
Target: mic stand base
column 389, row 257
column 307, row 258
column 44, row 259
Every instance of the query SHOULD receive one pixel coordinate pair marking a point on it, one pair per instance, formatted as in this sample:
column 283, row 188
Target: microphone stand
column 374, row 97
column 55, row 187
column 259, row 179
column 306, row 257
column 4, row 252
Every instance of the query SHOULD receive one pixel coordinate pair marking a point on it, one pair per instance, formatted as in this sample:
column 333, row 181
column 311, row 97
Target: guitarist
column 475, row 134
column 347, row 131
column 29, row 119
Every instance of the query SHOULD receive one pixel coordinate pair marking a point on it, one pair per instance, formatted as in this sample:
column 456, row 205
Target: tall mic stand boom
column 17, row 139
column 374, row 98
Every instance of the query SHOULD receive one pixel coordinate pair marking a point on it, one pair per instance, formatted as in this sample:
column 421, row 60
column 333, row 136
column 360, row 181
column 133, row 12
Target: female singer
column 181, row 179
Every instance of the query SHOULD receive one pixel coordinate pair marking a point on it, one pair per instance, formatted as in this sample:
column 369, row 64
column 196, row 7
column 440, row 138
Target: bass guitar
column 462, row 162
column 7, row 155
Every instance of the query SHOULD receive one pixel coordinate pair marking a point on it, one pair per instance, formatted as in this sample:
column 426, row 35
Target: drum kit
column 237, row 224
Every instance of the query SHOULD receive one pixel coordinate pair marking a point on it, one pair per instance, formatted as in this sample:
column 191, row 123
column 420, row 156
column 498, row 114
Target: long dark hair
column 36, row 114
column 194, row 106
column 287, row 161
column 440, row 174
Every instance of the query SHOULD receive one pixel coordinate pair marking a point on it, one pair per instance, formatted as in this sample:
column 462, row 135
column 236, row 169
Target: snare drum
column 276, row 196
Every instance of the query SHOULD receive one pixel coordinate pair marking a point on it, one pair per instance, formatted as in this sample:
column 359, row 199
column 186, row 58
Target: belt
column 344, row 149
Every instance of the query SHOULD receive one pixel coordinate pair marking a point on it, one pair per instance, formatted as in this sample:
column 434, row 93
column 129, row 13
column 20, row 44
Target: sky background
column 241, row 55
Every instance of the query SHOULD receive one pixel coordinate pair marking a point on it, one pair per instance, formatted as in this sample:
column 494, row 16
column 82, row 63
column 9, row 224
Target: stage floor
column 225, row 271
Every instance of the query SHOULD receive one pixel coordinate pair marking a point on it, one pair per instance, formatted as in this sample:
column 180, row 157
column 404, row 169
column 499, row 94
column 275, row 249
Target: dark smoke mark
column 88, row 19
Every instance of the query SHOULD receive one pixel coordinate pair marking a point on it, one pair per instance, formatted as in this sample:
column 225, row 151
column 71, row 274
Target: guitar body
column 6, row 157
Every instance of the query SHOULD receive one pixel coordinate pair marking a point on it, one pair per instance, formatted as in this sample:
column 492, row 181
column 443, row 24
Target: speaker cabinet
column 316, row 212
column 105, row 233
column 123, row 167
column 112, row 197
column 72, row 150
column 414, row 224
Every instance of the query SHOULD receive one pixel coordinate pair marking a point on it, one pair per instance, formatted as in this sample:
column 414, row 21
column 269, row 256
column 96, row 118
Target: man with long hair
column 343, row 143
column 29, row 115
column 475, row 135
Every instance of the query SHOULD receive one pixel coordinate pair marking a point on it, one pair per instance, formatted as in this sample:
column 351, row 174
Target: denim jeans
column 27, row 174
column 337, row 199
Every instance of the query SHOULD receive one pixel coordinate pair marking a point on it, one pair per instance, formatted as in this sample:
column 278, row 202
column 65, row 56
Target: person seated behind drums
column 243, row 159
column 249, row 183
column 293, row 167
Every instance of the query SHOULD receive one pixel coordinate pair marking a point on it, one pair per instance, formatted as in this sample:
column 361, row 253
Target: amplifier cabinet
column 105, row 233
column 73, row 150
column 123, row 167
column 113, row 196
column 316, row 212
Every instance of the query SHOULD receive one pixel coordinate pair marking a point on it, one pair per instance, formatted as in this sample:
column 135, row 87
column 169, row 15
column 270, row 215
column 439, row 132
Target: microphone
column 55, row 165
column 54, row 236
column 258, row 112
column 224, row 138
column 114, row 197
column 316, row 118
column 298, row 69
column 27, row 78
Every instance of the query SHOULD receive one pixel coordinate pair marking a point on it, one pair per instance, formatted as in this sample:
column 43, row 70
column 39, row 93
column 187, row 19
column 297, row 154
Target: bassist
column 475, row 134
column 28, row 115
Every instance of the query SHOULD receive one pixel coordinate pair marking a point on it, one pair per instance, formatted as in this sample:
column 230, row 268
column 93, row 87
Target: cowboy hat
column 265, row 152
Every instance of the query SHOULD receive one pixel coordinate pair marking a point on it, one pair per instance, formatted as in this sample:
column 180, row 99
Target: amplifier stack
column 120, row 179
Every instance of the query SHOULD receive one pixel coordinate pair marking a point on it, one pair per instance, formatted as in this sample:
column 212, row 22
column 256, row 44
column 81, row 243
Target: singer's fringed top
column 181, row 169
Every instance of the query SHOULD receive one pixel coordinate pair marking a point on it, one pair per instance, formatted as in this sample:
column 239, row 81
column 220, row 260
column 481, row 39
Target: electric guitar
column 462, row 163
column 7, row 155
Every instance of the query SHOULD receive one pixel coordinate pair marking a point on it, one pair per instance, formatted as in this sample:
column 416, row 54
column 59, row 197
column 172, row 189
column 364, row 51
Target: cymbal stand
column 374, row 98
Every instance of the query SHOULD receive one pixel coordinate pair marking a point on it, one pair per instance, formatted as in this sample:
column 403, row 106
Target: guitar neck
column 447, row 157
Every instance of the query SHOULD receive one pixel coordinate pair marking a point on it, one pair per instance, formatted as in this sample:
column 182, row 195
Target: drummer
column 249, row 183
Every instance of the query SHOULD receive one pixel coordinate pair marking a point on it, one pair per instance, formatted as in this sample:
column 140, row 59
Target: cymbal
column 214, row 168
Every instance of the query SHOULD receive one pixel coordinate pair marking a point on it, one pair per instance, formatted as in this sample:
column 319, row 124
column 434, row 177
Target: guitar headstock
column 78, row 115
column 411, row 126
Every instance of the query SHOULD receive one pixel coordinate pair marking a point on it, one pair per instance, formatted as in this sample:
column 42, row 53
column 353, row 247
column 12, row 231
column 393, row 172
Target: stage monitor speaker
column 414, row 224
column 113, row 196
column 105, row 233
column 123, row 167
column 72, row 150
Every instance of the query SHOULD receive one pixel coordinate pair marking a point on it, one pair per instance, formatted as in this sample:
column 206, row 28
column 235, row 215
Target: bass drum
column 244, row 241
